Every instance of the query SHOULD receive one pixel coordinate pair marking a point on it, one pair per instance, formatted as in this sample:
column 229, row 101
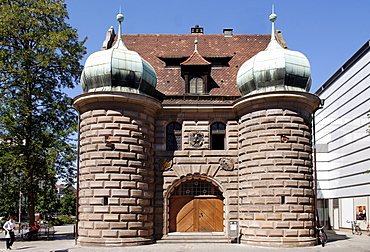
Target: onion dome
column 118, row 69
column 274, row 69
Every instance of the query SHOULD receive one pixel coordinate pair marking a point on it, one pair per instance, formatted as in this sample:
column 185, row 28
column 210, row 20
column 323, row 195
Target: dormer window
column 196, row 85
column 196, row 72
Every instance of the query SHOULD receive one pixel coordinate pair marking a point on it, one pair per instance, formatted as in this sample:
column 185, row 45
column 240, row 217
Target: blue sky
column 328, row 32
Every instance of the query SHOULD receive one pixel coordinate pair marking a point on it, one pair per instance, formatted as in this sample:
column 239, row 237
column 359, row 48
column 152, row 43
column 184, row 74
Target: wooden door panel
column 176, row 204
column 185, row 218
column 191, row 214
column 210, row 215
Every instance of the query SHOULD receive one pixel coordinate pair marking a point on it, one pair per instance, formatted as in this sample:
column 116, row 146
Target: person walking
column 9, row 232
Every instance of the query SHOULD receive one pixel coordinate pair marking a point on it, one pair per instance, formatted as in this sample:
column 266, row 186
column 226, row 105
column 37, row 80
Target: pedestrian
column 34, row 230
column 9, row 232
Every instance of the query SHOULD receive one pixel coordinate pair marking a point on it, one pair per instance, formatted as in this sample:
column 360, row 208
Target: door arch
column 196, row 206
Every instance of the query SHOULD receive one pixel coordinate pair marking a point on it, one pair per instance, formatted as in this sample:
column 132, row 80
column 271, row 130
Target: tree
column 68, row 202
column 39, row 58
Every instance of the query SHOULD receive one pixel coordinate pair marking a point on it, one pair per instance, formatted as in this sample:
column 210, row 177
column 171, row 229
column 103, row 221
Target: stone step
column 196, row 237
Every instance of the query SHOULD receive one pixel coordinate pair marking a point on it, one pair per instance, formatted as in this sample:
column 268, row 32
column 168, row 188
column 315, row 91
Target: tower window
column 196, row 85
column 173, row 136
column 218, row 131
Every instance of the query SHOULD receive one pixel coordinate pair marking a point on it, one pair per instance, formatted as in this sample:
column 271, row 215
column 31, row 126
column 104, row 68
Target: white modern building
column 343, row 144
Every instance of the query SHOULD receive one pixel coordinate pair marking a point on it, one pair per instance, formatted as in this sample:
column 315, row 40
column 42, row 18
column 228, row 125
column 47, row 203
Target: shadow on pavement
column 333, row 236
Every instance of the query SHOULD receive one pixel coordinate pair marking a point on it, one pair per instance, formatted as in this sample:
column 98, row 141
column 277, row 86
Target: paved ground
column 338, row 242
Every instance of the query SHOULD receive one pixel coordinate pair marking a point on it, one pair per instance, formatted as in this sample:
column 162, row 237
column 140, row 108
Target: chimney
column 228, row 32
column 196, row 30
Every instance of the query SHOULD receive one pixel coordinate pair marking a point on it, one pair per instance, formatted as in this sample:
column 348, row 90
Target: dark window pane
column 173, row 136
column 218, row 131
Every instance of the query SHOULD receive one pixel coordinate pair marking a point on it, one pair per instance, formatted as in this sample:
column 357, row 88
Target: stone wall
column 196, row 162
column 116, row 172
column 275, row 162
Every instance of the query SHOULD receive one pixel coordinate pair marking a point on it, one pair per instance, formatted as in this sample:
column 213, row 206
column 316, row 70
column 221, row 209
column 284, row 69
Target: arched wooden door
column 196, row 206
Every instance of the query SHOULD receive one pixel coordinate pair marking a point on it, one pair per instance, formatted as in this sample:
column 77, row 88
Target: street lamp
column 77, row 166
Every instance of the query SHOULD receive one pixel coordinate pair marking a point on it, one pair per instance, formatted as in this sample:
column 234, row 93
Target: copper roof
column 155, row 48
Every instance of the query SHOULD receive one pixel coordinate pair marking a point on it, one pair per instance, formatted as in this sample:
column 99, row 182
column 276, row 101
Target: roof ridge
column 196, row 59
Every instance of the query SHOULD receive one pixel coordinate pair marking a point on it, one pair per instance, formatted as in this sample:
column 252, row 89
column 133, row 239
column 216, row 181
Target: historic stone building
column 197, row 136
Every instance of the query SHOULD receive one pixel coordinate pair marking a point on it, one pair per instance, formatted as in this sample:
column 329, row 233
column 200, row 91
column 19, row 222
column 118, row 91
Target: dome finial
column 195, row 45
column 120, row 19
column 273, row 18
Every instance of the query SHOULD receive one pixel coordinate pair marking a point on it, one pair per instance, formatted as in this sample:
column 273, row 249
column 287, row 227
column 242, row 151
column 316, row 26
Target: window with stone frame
column 218, row 133
column 173, row 136
column 196, row 85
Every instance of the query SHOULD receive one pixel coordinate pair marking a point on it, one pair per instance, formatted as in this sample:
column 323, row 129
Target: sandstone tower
column 179, row 143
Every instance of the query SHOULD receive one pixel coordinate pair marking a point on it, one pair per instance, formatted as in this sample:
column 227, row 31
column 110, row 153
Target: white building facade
column 343, row 144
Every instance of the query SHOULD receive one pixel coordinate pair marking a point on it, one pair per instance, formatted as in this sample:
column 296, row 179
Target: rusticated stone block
column 113, row 201
column 304, row 216
column 135, row 225
column 128, row 184
column 101, row 225
column 259, row 216
column 94, row 233
column 290, row 183
column 111, row 217
column 136, row 193
column 112, row 155
column 127, row 233
column 128, row 170
column 118, row 225
column 282, row 208
column 304, row 232
column 276, row 233
column 291, row 200
column 289, row 216
column 120, row 192
column 119, row 209
column 144, row 232
column 101, row 209
column 267, row 224
column 120, row 177
column 291, row 233
column 261, row 232
column 101, row 192
column 274, row 216
column 296, row 224
column 112, row 169
column 128, row 217
column 272, row 200
column 92, row 217
column 136, row 209
column 297, row 208
column 282, row 224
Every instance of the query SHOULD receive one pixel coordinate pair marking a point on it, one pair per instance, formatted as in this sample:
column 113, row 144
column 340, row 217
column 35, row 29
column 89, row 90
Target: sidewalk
column 64, row 242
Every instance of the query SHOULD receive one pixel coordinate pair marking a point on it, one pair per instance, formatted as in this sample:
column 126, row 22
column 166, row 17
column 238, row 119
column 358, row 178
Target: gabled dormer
column 196, row 72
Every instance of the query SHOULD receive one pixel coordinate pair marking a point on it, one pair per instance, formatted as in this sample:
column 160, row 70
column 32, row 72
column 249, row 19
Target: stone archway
column 196, row 206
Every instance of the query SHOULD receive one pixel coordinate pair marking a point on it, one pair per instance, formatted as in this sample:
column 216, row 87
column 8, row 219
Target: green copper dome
column 274, row 69
column 118, row 69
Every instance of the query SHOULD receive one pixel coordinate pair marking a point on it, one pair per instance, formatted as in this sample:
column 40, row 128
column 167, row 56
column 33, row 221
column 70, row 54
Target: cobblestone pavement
column 338, row 242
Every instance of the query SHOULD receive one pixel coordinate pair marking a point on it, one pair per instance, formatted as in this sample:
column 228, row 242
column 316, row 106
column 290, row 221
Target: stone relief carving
column 165, row 164
column 227, row 164
column 196, row 138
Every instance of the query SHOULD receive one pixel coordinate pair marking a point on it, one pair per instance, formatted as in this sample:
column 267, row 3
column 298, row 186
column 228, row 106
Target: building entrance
column 196, row 206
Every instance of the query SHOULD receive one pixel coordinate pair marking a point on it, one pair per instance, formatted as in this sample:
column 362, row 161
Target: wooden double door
column 196, row 214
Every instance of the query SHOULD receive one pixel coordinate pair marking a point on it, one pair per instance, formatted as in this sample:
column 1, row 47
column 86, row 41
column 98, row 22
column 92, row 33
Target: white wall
column 341, row 126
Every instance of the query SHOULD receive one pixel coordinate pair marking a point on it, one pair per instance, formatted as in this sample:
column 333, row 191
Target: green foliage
column 66, row 219
column 39, row 57
column 47, row 201
column 55, row 222
column 68, row 202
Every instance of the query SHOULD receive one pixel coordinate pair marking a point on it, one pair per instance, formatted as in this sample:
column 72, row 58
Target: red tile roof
column 195, row 59
column 156, row 47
